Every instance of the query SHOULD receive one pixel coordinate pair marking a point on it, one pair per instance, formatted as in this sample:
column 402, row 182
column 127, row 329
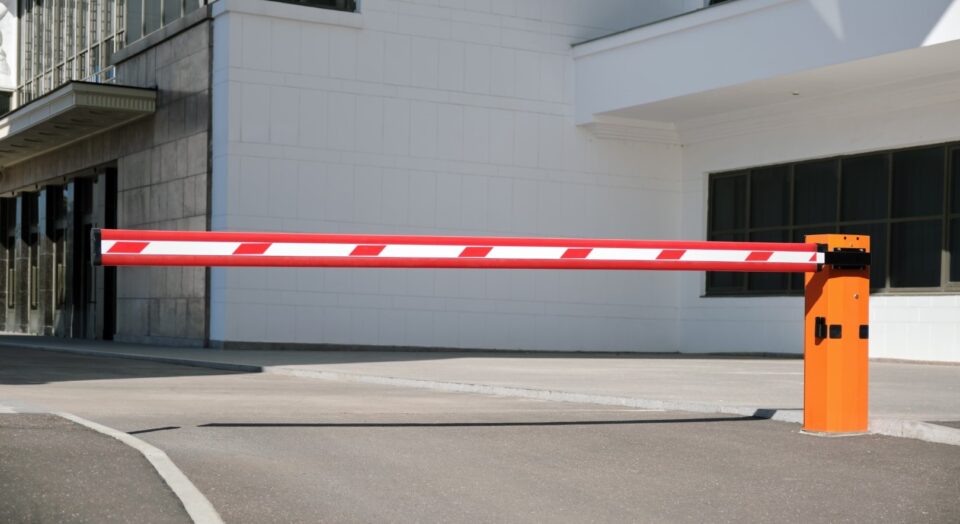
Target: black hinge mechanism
column 845, row 257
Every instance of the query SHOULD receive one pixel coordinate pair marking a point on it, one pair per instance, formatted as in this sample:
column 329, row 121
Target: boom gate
column 836, row 329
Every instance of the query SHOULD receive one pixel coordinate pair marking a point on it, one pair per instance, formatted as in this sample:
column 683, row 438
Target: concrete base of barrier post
column 836, row 337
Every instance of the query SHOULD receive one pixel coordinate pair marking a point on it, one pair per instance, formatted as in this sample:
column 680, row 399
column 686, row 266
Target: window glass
column 151, row 16
column 192, row 5
column 918, row 182
column 955, row 182
column 907, row 202
column 815, row 193
column 955, row 250
column 134, row 20
column 171, row 11
column 863, row 193
column 729, row 202
column 343, row 5
column 915, row 257
column 770, row 197
column 768, row 281
column 878, row 250
column 726, row 281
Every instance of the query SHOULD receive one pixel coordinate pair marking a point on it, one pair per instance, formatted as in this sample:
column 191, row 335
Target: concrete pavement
column 273, row 448
column 904, row 397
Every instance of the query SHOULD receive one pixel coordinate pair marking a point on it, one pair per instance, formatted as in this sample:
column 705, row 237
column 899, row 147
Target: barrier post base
column 836, row 334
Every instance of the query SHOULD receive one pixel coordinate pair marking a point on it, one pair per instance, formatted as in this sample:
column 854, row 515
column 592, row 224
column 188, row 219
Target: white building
column 751, row 119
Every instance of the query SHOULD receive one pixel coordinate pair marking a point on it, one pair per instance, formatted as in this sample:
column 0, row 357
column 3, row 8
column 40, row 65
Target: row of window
column 64, row 40
column 907, row 201
column 147, row 16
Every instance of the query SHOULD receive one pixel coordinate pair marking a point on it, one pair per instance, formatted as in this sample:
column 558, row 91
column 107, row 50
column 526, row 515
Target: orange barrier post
column 836, row 334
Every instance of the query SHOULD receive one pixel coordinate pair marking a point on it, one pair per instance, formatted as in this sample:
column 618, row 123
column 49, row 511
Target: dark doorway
column 94, row 289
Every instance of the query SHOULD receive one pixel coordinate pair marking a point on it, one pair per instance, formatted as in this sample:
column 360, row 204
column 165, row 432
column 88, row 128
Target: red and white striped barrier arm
column 117, row 247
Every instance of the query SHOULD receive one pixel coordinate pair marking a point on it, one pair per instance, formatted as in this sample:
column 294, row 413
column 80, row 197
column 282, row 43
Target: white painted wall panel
column 435, row 118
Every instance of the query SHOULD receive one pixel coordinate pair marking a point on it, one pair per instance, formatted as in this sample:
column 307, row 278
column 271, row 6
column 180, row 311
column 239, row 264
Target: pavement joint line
column 536, row 394
column 881, row 426
column 200, row 509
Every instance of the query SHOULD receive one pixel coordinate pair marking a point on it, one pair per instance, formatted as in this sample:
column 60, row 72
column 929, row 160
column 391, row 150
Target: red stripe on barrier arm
column 759, row 256
column 575, row 252
column 201, row 248
column 475, row 252
column 128, row 247
column 252, row 248
column 671, row 254
column 367, row 251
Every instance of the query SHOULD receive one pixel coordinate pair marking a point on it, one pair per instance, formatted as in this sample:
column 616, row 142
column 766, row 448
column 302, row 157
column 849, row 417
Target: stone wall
column 162, row 164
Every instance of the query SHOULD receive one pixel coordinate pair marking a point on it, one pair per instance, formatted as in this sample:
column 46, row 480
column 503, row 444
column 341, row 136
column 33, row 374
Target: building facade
column 581, row 118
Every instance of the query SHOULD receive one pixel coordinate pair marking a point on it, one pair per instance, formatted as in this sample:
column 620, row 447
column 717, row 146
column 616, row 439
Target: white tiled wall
column 433, row 117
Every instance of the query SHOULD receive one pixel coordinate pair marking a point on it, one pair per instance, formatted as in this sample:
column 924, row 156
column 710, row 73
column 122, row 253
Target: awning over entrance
column 73, row 112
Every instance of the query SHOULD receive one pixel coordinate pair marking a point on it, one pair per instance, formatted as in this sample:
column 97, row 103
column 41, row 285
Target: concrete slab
column 272, row 448
column 770, row 387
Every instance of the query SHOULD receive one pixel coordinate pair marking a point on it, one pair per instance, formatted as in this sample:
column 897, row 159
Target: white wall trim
column 635, row 130
column 917, row 94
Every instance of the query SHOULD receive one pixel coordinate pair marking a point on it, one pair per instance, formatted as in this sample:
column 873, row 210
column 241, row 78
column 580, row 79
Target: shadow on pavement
column 22, row 367
column 22, row 361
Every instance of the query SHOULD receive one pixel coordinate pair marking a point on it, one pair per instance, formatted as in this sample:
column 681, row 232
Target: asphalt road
column 52, row 470
column 268, row 448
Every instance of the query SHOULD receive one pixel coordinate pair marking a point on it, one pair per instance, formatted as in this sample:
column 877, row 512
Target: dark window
column 770, row 197
column 134, row 19
column 340, row 5
column 954, row 224
column 815, row 193
column 151, row 16
column 915, row 261
column 955, row 250
column 918, row 182
column 955, row 183
column 5, row 98
column 171, row 10
column 907, row 201
column 729, row 198
column 864, row 188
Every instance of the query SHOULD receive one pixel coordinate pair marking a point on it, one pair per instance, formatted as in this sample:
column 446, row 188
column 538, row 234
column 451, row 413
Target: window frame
column 946, row 217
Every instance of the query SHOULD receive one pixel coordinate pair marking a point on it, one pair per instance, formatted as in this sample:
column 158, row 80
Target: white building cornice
column 916, row 94
column 634, row 130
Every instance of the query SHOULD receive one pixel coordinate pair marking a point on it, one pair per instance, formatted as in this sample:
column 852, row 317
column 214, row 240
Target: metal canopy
column 75, row 111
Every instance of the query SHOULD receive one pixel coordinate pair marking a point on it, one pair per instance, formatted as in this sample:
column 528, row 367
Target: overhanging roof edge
column 75, row 111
